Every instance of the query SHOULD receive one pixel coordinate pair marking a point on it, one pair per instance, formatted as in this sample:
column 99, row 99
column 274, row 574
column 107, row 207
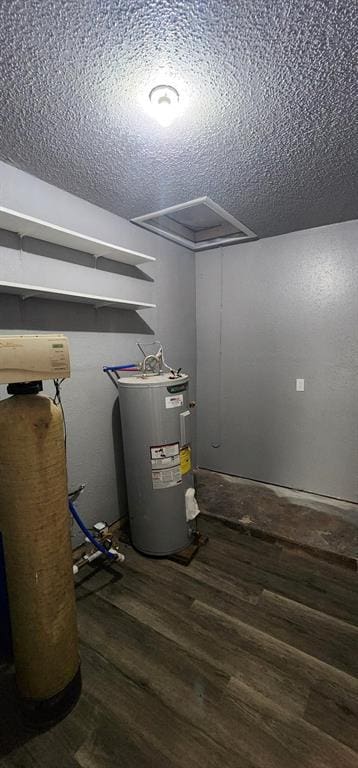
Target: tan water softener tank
column 35, row 531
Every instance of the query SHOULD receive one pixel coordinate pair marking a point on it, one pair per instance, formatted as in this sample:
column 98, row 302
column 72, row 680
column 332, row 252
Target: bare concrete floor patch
column 309, row 520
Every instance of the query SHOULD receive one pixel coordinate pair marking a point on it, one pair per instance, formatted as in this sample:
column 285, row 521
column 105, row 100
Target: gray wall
column 269, row 312
column 96, row 337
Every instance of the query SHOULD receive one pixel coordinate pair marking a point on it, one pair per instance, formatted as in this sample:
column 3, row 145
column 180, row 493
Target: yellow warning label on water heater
column 185, row 459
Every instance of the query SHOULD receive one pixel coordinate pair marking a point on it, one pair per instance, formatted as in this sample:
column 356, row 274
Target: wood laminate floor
column 246, row 659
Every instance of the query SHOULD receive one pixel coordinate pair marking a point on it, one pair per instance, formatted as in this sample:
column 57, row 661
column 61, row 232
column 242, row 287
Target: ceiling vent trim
column 199, row 224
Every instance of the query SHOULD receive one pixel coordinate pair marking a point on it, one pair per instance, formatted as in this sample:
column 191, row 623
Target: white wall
column 96, row 338
column 269, row 312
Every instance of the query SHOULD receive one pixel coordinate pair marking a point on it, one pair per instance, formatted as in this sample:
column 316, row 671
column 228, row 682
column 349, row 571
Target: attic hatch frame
column 241, row 233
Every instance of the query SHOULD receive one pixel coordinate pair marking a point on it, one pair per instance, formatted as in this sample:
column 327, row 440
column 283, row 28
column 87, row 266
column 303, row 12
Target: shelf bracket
column 26, row 296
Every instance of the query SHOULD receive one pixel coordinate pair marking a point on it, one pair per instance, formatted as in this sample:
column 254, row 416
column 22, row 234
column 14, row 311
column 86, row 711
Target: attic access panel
column 198, row 224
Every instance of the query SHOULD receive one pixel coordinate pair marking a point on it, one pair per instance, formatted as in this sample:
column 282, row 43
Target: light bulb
column 164, row 101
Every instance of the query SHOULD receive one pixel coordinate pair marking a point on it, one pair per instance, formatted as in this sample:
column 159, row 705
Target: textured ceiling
column 269, row 87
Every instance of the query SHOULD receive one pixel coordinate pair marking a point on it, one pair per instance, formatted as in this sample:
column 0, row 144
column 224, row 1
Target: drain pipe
column 95, row 555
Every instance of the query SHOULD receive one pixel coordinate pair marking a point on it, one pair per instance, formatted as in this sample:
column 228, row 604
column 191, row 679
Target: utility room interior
column 178, row 384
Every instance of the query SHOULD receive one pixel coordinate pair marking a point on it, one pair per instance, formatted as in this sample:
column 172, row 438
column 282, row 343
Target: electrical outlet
column 300, row 385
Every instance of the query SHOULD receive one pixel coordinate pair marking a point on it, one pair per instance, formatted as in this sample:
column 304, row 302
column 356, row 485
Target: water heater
column 156, row 429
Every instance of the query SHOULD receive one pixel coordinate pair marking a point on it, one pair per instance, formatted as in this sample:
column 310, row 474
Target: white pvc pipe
column 90, row 558
column 94, row 556
column 114, row 552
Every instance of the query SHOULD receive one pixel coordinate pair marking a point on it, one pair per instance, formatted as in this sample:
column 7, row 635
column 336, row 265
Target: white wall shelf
column 29, row 226
column 36, row 291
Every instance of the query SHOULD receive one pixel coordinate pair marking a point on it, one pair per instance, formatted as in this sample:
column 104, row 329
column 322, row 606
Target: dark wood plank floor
column 245, row 659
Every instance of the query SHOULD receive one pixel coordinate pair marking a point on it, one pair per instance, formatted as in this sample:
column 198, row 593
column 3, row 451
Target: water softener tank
column 34, row 527
column 156, row 418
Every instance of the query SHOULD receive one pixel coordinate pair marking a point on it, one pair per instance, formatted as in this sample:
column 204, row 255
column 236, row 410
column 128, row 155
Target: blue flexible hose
column 120, row 367
column 87, row 533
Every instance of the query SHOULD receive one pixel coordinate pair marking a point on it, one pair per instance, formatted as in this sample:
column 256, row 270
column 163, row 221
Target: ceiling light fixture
column 164, row 101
